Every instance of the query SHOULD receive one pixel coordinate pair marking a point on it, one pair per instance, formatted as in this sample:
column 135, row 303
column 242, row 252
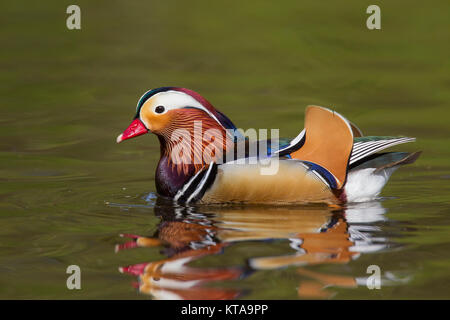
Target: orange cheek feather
column 155, row 123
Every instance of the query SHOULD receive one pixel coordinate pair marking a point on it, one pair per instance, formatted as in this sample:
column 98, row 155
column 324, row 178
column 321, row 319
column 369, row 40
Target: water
column 68, row 191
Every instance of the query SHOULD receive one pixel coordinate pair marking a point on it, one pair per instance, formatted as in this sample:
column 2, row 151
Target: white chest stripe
column 202, row 182
column 182, row 191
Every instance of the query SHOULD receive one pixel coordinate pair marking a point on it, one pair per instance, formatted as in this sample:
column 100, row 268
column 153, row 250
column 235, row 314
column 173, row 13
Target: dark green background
column 65, row 96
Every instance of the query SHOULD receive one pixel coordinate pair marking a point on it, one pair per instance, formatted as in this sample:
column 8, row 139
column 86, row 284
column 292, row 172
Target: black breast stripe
column 190, row 186
column 196, row 187
column 204, row 184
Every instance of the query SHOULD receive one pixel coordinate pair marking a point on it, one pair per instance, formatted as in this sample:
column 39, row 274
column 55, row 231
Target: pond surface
column 69, row 195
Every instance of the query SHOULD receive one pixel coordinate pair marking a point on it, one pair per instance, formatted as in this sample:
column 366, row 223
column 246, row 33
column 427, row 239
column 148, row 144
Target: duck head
column 191, row 132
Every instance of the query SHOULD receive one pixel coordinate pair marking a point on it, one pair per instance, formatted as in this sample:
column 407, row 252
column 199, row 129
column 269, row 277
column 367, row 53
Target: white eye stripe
column 172, row 100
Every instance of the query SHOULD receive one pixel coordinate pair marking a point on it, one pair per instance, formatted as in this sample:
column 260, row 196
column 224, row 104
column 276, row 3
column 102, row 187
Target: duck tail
column 366, row 179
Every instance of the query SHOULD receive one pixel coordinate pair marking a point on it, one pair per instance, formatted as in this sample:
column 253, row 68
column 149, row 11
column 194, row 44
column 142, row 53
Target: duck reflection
column 314, row 234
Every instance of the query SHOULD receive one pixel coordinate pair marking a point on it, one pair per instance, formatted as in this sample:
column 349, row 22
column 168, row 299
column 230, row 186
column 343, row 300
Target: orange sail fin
column 328, row 143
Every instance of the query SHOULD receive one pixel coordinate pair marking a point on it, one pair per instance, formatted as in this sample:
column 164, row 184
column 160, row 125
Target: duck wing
column 363, row 147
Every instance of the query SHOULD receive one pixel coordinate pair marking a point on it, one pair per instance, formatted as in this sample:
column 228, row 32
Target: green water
column 68, row 190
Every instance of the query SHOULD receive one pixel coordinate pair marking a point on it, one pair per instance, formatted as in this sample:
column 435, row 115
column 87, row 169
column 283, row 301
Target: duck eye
column 159, row 109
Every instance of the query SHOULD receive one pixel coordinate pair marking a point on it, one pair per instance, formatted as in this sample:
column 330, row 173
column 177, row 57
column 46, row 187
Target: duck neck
column 180, row 160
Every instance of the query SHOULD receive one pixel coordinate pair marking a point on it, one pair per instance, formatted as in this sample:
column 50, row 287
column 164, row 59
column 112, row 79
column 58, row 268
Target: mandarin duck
column 205, row 159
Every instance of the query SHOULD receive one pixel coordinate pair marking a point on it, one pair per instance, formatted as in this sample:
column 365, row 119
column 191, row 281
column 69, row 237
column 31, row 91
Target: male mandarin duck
column 202, row 158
